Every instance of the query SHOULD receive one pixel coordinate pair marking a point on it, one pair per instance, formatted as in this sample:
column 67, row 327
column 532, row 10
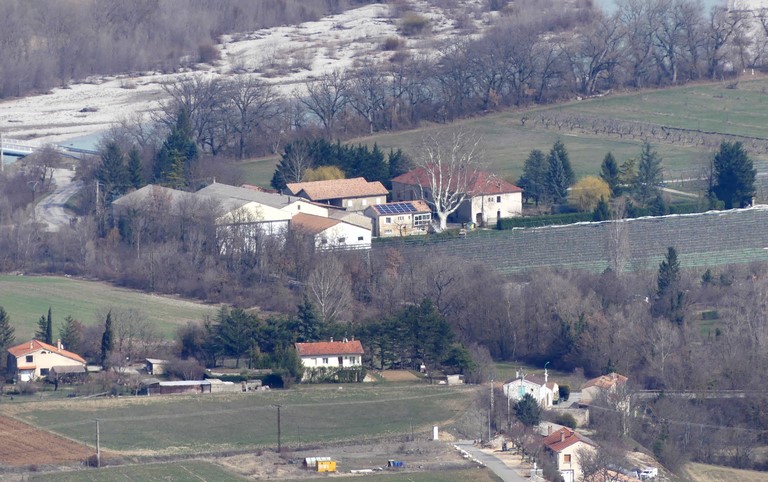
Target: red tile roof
column 337, row 189
column 561, row 439
column 606, row 381
column 36, row 345
column 481, row 182
column 351, row 347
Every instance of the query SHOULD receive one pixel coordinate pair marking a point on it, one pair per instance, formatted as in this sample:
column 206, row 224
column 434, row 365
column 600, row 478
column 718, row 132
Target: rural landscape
column 385, row 240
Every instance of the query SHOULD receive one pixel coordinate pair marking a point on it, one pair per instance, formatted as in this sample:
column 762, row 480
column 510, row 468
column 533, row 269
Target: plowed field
column 25, row 444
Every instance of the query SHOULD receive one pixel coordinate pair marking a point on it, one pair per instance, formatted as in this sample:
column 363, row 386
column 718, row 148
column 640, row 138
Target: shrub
column 392, row 43
column 565, row 392
column 208, row 53
column 413, row 24
column 566, row 420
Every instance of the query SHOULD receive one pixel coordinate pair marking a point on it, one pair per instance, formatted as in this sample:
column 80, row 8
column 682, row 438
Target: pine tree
column 135, row 169
column 7, row 336
column 534, row 178
column 107, row 340
column 557, row 179
column 112, row 172
column 650, row 175
column 174, row 160
column 609, row 172
column 734, row 176
column 308, row 326
column 602, row 211
column 670, row 299
column 44, row 331
column 669, row 272
column 71, row 334
column 528, row 410
column 398, row 164
column 558, row 149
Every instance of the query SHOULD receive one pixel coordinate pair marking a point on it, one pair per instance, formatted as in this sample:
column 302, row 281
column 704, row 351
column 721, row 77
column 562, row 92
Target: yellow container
column 326, row 466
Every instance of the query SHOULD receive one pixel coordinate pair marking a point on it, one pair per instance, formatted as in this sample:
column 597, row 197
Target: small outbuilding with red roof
column 34, row 359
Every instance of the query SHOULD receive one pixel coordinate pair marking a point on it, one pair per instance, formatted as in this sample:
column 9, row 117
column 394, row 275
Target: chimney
column 549, row 429
column 345, row 339
column 562, row 435
column 58, row 344
column 30, row 344
column 331, row 339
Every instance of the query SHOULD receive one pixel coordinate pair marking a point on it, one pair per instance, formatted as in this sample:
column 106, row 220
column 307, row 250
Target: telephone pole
column 98, row 446
column 279, row 447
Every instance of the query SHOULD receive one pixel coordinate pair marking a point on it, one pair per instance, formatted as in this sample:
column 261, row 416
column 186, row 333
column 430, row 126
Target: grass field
column 26, row 298
column 200, row 424
column 714, row 473
column 170, row 472
column 706, row 107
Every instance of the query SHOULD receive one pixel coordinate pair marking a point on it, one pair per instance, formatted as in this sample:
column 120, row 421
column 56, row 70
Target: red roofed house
column 354, row 194
column 400, row 219
column 34, row 359
column 565, row 446
column 325, row 357
column 489, row 196
column 611, row 386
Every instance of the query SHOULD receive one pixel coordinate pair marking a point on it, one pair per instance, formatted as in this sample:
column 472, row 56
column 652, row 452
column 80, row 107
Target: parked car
column 649, row 473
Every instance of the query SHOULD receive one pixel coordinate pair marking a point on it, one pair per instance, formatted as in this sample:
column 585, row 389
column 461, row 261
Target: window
column 378, row 200
column 388, row 220
column 298, row 207
column 365, row 202
column 342, row 240
column 349, row 203
column 421, row 219
column 498, row 199
column 566, row 458
column 43, row 372
column 325, row 361
column 360, row 238
column 323, row 241
column 29, row 358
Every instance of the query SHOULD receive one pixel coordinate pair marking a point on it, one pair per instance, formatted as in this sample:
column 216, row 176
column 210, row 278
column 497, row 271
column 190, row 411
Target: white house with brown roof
column 537, row 386
column 330, row 233
column 34, row 359
column 331, row 354
column 565, row 447
column 353, row 194
column 402, row 218
column 488, row 196
column 612, row 386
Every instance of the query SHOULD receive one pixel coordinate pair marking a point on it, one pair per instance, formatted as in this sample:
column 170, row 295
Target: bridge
column 19, row 148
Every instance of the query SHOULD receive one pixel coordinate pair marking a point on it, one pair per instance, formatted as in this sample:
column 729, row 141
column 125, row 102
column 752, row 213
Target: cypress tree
column 135, row 170
column 7, row 336
column 107, row 340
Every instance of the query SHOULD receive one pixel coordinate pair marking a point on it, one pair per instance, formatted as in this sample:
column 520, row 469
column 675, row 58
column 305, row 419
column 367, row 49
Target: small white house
column 540, row 388
column 331, row 354
column 34, row 359
column 330, row 233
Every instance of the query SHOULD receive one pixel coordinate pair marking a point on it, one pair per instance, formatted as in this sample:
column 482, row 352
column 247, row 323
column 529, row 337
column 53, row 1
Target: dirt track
column 24, row 445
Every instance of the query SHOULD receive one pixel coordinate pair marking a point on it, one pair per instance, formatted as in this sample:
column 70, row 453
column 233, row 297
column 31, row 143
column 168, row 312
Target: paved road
column 50, row 210
column 497, row 466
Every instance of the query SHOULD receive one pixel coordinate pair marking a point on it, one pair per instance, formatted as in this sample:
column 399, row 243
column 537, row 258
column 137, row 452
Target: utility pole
column 98, row 446
column 490, row 413
column 2, row 163
column 279, row 447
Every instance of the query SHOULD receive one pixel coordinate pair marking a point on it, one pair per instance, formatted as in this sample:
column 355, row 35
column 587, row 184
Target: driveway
column 498, row 467
column 50, row 210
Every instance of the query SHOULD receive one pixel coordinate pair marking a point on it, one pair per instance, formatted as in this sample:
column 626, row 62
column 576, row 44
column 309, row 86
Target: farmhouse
column 564, row 447
column 354, row 194
column 540, row 388
column 287, row 203
column 34, row 359
column 330, row 233
column 488, row 197
column 403, row 218
column 331, row 354
column 611, row 386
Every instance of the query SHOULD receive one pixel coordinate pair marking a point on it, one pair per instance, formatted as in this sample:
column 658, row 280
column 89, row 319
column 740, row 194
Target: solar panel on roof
column 396, row 208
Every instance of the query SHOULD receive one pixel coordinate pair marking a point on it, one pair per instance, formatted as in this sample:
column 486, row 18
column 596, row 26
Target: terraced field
column 702, row 240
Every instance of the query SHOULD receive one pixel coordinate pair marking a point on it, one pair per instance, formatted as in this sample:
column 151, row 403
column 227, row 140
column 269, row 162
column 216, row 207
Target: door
column 341, row 361
column 567, row 475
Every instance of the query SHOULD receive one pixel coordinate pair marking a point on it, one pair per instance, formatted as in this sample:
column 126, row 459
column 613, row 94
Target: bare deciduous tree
column 327, row 98
column 329, row 288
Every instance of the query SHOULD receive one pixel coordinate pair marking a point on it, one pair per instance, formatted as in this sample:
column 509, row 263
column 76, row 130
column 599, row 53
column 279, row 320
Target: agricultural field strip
column 207, row 413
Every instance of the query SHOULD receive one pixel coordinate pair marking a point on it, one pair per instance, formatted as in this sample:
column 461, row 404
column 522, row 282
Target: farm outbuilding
column 155, row 387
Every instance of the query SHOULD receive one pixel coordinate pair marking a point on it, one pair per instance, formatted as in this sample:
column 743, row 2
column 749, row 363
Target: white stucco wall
column 343, row 235
column 331, row 361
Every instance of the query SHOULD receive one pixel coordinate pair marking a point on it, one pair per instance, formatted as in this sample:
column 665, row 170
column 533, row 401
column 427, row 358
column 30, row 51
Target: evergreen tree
column 44, row 331
column 107, row 340
column 7, row 336
column 398, row 163
column 112, row 172
column 557, row 179
column 670, row 299
column 650, row 175
column 558, row 149
column 308, row 326
column 609, row 172
column 236, row 332
column 534, row 178
column 173, row 162
column 135, row 169
column 71, row 334
column 602, row 211
column 528, row 410
column 734, row 176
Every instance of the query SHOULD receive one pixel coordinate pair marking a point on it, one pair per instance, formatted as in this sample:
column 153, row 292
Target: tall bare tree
column 327, row 98
column 449, row 164
column 329, row 288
